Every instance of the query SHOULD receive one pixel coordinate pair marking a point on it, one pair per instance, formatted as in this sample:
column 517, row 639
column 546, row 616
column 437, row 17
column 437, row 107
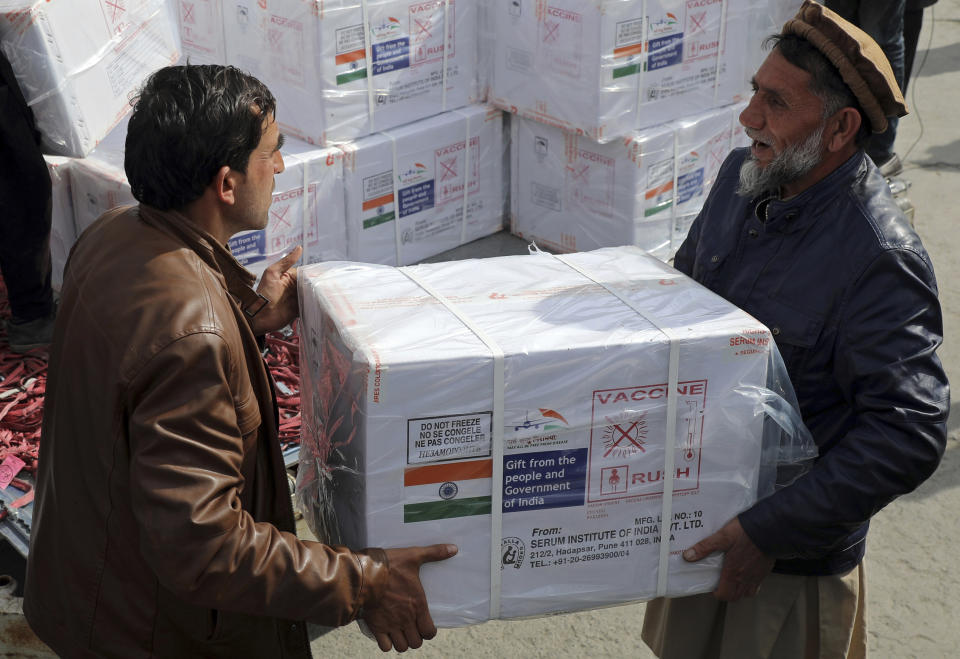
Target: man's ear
column 225, row 185
column 843, row 127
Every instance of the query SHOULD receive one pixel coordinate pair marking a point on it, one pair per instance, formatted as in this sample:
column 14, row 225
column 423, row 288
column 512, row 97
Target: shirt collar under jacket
column 798, row 212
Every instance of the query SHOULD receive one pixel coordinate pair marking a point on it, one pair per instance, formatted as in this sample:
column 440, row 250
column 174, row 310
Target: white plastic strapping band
column 670, row 440
column 396, row 196
column 368, row 48
column 496, row 499
column 305, row 256
column 642, row 64
column 720, row 46
column 446, row 50
column 466, row 179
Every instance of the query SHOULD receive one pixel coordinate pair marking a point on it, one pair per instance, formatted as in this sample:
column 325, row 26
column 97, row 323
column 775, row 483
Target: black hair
column 825, row 79
column 189, row 121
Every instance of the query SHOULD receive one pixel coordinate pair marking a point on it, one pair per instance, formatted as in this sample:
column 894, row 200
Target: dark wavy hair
column 189, row 121
column 825, row 79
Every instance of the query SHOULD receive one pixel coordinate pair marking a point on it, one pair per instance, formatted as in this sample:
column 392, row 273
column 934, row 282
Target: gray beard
column 794, row 162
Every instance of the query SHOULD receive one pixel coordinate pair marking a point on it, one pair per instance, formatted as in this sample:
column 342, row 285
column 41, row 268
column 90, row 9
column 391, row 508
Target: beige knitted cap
column 861, row 62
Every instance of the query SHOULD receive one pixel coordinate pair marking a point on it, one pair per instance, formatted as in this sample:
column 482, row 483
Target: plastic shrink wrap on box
column 571, row 193
column 517, row 406
column 63, row 229
column 421, row 168
column 98, row 182
column 314, row 56
column 599, row 69
column 311, row 186
column 78, row 61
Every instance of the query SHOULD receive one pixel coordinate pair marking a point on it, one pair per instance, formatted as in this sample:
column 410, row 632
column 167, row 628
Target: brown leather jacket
column 163, row 525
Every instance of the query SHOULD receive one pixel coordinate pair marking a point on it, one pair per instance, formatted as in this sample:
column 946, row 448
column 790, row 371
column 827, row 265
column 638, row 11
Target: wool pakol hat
column 861, row 62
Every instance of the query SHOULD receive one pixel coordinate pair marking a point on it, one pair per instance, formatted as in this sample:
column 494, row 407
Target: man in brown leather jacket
column 163, row 525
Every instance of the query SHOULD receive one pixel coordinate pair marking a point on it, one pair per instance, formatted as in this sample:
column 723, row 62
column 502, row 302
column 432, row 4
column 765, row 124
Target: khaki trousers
column 792, row 617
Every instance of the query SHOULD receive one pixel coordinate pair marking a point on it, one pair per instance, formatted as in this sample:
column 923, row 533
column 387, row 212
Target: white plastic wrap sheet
column 420, row 169
column 77, row 61
column 63, row 230
column 571, row 193
column 98, row 182
column 341, row 69
column 605, row 67
column 310, row 187
column 517, row 406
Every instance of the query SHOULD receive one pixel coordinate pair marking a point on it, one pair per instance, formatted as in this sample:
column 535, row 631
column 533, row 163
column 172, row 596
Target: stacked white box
column 77, row 62
column 600, row 69
column 421, row 168
column 63, row 230
column 307, row 209
column 311, row 186
column 406, row 423
column 571, row 193
column 314, row 57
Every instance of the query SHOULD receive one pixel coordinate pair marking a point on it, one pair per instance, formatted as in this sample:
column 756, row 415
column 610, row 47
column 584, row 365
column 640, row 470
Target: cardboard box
column 422, row 167
column 412, row 435
column 607, row 67
column 63, row 230
column 77, row 62
column 311, row 187
column 570, row 193
column 314, row 58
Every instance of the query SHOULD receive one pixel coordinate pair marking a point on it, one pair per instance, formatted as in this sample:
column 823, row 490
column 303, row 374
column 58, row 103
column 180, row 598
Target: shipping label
column 627, row 440
column 247, row 246
column 450, row 165
column 703, row 27
column 199, row 26
column 446, row 438
column 350, row 58
column 284, row 49
column 690, row 177
column 659, row 193
column 545, row 479
column 560, row 41
column 589, row 180
column 285, row 226
column 426, row 25
column 565, row 548
column 377, row 205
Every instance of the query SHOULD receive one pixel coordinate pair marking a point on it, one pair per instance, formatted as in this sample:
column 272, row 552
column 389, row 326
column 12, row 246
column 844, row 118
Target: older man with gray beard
column 801, row 231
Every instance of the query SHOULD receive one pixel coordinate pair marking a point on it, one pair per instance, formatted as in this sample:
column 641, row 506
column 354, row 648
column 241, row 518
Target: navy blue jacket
column 848, row 291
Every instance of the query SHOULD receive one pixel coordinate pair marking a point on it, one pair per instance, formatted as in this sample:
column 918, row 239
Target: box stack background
column 616, row 112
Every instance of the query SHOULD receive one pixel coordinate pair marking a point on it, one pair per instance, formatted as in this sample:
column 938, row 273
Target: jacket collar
column 800, row 211
column 234, row 277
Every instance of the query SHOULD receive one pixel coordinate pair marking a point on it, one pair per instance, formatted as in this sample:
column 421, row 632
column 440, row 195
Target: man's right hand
column 401, row 618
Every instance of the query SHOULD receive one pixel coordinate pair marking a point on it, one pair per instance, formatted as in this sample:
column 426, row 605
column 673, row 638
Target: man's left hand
column 279, row 286
column 744, row 566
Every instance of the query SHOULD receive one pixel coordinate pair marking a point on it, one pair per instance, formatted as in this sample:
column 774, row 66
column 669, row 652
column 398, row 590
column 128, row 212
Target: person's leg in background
column 25, row 197
column 912, row 25
column 882, row 20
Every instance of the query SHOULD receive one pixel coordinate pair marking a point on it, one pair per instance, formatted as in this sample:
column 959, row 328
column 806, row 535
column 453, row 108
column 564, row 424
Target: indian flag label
column 377, row 199
column 351, row 56
column 659, row 192
column 446, row 490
